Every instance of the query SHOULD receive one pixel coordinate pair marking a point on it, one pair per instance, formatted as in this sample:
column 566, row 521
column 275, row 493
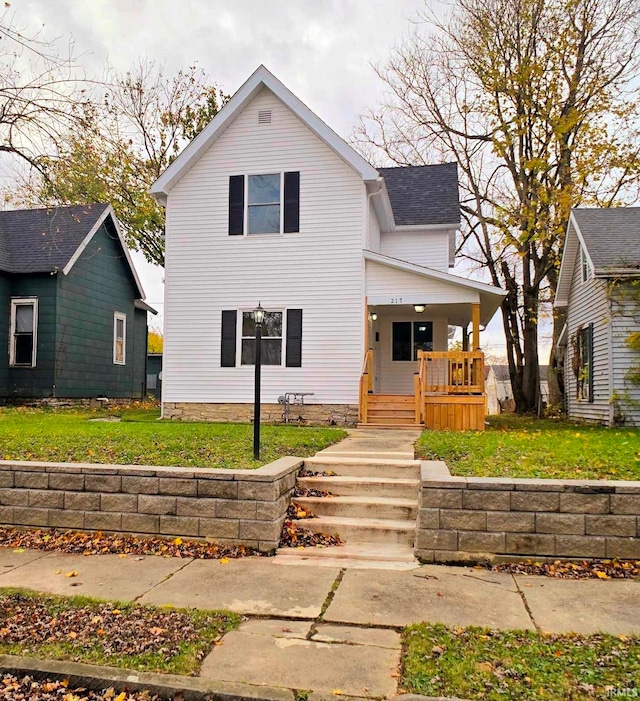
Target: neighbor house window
column 585, row 269
column 24, row 324
column 264, row 204
column 271, row 339
column 584, row 362
column 410, row 337
column 119, row 338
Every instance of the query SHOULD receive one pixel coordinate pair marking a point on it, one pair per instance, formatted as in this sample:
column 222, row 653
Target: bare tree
column 533, row 99
column 42, row 93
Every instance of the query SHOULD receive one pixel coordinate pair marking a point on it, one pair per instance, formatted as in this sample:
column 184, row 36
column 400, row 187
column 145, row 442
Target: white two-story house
column 268, row 205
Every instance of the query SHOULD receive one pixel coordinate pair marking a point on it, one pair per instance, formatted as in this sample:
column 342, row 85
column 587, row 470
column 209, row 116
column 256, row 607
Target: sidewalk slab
column 274, row 655
column 12, row 558
column 583, row 605
column 453, row 596
column 102, row 576
column 251, row 586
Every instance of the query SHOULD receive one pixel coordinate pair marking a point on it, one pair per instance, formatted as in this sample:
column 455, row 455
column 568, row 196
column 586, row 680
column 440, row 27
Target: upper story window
column 119, row 338
column 266, row 203
column 585, row 267
column 263, row 204
column 24, row 325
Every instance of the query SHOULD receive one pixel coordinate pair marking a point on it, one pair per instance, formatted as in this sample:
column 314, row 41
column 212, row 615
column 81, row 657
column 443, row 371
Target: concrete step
column 362, row 507
column 383, row 556
column 362, row 530
column 364, row 467
column 363, row 486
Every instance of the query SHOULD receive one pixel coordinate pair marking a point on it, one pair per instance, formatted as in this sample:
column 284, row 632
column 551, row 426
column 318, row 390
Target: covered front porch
column 411, row 376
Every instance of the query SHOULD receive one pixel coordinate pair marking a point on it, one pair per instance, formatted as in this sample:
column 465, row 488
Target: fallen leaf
column 73, row 573
column 19, row 550
column 224, row 560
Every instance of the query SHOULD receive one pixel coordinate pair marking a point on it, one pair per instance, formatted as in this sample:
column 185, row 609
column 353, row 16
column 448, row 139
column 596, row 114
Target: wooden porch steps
column 390, row 411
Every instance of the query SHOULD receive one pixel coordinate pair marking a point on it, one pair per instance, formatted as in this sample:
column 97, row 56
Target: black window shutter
column 291, row 202
column 294, row 338
column 590, row 356
column 236, row 205
column 229, row 330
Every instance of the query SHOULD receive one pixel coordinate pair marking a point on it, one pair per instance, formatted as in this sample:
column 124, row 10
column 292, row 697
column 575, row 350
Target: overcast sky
column 323, row 50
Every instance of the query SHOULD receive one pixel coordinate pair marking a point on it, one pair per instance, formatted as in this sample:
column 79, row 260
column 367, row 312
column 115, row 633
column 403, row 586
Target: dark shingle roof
column 44, row 240
column 423, row 194
column 611, row 235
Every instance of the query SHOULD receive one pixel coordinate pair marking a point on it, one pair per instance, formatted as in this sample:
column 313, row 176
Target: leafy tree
column 128, row 139
column 155, row 342
column 534, row 101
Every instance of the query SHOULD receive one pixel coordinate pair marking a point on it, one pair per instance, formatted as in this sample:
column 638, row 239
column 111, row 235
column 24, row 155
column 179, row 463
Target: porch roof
column 468, row 291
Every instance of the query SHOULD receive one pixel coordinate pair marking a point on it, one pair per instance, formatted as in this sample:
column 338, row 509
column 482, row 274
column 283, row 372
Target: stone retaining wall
column 329, row 414
column 230, row 506
column 474, row 518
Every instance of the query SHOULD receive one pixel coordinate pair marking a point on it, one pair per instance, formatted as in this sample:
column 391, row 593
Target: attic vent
column 264, row 116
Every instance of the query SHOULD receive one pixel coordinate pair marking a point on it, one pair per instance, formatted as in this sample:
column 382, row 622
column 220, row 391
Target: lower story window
column 584, row 362
column 410, row 337
column 271, row 346
column 119, row 338
column 24, row 324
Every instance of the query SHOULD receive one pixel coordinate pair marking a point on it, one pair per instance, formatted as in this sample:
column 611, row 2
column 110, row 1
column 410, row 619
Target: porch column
column 475, row 321
column 465, row 338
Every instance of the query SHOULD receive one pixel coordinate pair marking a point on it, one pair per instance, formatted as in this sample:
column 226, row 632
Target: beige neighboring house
column 499, row 392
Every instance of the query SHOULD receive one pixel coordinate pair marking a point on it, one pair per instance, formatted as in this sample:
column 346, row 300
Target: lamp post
column 258, row 317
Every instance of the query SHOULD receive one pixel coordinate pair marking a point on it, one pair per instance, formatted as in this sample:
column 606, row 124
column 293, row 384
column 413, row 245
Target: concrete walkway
column 328, row 629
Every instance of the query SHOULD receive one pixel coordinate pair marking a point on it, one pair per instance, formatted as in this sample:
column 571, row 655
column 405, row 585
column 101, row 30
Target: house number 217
column 396, row 300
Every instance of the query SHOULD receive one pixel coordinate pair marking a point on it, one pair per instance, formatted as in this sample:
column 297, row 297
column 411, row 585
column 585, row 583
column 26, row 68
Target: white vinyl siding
column 318, row 270
column 405, row 287
column 625, row 318
column 373, row 234
column 427, row 248
column 588, row 304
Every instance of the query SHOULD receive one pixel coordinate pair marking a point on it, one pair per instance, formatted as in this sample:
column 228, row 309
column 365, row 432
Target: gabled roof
column 490, row 296
column 610, row 238
column 51, row 239
column 260, row 79
column 423, row 195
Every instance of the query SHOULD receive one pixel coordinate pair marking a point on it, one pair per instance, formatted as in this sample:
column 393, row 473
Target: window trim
column 18, row 302
column 240, row 337
column 246, row 233
column 412, row 322
column 117, row 316
column 584, row 348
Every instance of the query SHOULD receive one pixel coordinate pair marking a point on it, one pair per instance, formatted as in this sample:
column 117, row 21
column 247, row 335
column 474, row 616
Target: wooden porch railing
column 450, row 372
column 366, row 385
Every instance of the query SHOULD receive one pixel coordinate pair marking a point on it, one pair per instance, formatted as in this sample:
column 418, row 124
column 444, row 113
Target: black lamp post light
column 258, row 317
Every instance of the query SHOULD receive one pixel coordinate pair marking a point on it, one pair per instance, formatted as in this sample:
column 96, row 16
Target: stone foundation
column 473, row 519
column 316, row 414
column 246, row 507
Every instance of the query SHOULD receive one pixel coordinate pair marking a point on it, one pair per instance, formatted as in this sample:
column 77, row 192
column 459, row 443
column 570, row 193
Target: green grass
column 477, row 663
column 74, row 632
column 140, row 439
column 513, row 446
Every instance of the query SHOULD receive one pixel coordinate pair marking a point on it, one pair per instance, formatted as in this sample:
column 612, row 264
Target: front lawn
column 477, row 663
column 145, row 638
column 514, row 446
column 140, row 439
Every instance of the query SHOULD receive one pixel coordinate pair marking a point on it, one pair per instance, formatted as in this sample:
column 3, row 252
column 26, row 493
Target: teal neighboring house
column 74, row 319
